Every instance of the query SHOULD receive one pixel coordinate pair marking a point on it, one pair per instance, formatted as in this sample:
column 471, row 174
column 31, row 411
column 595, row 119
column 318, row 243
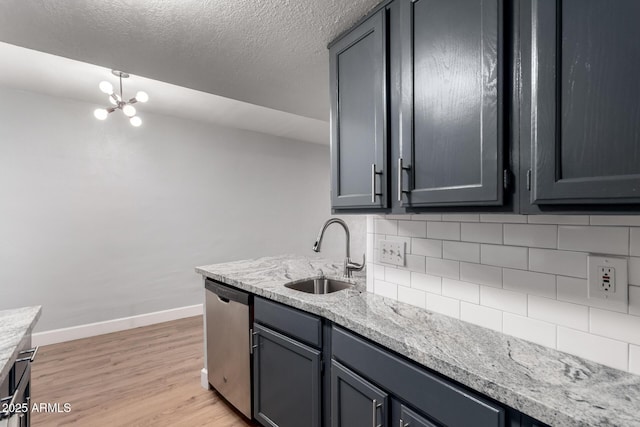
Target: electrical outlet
column 608, row 279
column 392, row 252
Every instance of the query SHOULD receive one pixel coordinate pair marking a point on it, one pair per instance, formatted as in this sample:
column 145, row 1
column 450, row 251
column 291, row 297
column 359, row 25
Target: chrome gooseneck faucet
column 349, row 265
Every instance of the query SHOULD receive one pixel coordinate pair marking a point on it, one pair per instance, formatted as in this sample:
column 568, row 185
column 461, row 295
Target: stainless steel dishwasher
column 229, row 318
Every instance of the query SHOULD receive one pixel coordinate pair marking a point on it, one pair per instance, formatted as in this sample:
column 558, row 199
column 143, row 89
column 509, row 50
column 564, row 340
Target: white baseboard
column 204, row 379
column 92, row 329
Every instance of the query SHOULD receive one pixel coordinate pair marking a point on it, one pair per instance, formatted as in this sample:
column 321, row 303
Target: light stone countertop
column 554, row 387
column 16, row 326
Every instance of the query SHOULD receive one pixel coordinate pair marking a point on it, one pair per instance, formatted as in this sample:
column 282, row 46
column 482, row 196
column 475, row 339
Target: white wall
column 521, row 275
column 100, row 220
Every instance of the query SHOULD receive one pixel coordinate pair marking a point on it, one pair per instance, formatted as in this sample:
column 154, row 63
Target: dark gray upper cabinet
column 355, row 402
column 581, row 114
column 451, row 150
column 358, row 77
column 287, row 381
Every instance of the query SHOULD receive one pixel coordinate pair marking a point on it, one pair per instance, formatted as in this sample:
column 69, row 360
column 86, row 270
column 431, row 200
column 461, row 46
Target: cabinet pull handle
column 30, row 359
column 402, row 424
column 400, row 169
column 373, row 183
column 253, row 339
column 374, row 413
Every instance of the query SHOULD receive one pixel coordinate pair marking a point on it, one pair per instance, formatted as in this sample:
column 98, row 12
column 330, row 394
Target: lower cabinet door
column 410, row 418
column 286, row 381
column 355, row 402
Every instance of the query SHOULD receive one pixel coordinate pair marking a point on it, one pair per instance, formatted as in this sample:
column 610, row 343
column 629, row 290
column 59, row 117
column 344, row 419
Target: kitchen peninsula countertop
column 554, row 387
column 15, row 328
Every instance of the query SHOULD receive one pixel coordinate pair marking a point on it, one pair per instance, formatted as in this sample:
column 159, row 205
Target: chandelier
column 118, row 102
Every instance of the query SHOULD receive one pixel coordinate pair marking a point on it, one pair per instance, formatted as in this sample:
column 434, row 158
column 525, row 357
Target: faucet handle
column 354, row 266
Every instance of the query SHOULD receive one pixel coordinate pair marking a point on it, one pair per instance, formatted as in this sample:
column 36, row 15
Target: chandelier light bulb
column 100, row 113
column 135, row 121
column 142, row 96
column 106, row 87
column 129, row 110
column 113, row 100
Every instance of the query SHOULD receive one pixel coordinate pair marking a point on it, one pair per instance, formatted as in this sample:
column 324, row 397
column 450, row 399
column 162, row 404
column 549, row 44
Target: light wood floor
column 147, row 376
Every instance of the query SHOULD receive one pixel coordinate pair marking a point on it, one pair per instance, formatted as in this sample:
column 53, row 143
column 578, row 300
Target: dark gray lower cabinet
column 356, row 402
column 404, row 416
column 286, row 381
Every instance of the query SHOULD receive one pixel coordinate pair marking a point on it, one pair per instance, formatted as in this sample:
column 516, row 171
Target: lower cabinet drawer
column 297, row 324
column 441, row 400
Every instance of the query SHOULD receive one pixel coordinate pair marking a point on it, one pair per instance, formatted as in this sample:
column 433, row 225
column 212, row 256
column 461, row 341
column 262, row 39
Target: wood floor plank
column 143, row 377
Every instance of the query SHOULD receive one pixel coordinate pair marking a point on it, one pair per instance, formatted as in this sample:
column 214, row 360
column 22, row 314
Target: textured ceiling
column 53, row 75
column 266, row 52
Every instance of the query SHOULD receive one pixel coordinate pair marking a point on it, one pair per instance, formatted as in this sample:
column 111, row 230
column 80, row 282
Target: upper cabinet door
column 584, row 95
column 451, row 79
column 358, row 116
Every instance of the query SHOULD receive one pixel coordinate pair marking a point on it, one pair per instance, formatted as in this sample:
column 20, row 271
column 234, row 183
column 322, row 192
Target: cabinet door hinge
column 529, row 180
column 506, row 179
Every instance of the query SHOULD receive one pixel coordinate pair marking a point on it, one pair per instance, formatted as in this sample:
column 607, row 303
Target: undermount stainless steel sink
column 319, row 286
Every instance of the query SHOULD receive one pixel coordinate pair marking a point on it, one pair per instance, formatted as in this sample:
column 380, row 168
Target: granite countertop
column 15, row 329
column 554, row 387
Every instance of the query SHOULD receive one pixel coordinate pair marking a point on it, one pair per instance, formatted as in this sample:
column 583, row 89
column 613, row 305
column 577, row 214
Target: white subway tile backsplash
column 536, row 331
column 370, row 219
column 426, row 217
column 426, row 282
column 537, row 236
column 634, row 271
column 513, row 302
column 443, row 305
column 481, row 233
column 504, row 256
column 461, row 217
column 385, row 226
column 631, row 220
column 443, row 230
column 605, row 240
column 414, row 263
column 463, row 291
column 618, row 326
column 400, row 217
column 385, row 289
column 412, row 296
column 558, row 262
column 378, row 271
column 461, row 251
column 399, row 277
column 572, row 289
column 634, row 246
column 559, row 219
column 481, row 274
column 412, row 228
column 529, row 282
column 524, row 275
column 558, row 312
column 634, row 300
column 503, row 218
column 634, row 359
column 599, row 349
column 443, row 268
column 483, row 316
column 427, row 247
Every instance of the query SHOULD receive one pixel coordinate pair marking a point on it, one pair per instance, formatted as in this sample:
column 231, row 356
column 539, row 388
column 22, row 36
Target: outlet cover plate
column 392, row 252
column 618, row 287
